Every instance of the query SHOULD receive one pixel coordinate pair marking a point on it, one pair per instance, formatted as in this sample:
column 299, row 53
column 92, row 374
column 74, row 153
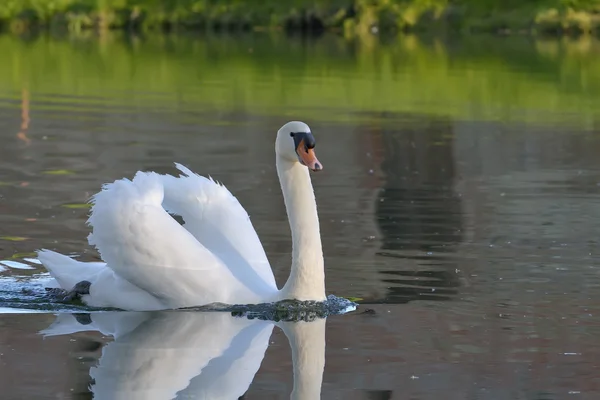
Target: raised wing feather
column 218, row 221
column 143, row 244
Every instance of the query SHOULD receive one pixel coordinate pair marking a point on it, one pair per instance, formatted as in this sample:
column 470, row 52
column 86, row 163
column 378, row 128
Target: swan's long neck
column 307, row 340
column 307, row 278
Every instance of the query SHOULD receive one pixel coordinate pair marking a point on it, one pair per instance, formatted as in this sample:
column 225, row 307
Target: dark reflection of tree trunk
column 418, row 212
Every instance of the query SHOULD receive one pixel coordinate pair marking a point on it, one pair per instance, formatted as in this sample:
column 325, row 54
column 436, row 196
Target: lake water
column 459, row 201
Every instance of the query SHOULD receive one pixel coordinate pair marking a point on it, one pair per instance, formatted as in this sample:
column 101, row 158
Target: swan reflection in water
column 192, row 355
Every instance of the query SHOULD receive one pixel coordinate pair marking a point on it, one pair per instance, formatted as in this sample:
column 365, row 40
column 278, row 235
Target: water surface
column 459, row 201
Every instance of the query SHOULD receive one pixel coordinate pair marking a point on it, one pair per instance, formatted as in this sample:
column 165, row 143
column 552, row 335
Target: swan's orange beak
column 307, row 157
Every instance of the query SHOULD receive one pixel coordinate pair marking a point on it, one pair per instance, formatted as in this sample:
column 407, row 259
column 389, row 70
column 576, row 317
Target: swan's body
column 152, row 262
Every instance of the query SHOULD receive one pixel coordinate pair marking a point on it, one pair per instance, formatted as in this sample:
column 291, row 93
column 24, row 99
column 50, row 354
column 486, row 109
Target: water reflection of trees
column 417, row 211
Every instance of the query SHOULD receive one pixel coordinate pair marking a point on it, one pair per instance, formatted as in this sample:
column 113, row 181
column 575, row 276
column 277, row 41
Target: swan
column 151, row 262
column 192, row 355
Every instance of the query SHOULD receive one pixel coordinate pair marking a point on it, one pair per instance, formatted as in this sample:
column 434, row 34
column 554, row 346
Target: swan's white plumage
column 70, row 271
column 218, row 221
column 107, row 290
column 144, row 245
column 153, row 262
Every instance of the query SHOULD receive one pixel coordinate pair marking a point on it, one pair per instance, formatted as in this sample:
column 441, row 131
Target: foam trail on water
column 16, row 264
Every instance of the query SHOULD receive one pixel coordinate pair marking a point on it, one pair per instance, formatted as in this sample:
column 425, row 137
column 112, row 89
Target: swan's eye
column 292, row 134
column 310, row 141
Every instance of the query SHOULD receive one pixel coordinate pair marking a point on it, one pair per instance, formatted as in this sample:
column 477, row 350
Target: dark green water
column 459, row 202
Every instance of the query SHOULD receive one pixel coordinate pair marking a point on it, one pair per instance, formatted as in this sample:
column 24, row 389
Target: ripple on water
column 286, row 310
column 27, row 292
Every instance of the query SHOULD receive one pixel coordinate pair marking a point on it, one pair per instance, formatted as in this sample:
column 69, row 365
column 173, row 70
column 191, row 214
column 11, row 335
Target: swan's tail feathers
column 66, row 270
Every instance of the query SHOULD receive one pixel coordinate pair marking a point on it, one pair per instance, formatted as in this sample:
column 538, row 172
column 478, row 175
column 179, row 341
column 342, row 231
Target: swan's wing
column 144, row 245
column 217, row 219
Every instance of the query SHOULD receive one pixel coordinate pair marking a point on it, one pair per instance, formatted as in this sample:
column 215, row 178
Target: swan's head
column 295, row 143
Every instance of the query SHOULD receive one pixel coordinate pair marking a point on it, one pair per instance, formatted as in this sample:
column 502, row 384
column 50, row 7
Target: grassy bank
column 349, row 16
column 329, row 78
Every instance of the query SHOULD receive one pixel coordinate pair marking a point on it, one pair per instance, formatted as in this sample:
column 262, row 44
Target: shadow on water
column 417, row 210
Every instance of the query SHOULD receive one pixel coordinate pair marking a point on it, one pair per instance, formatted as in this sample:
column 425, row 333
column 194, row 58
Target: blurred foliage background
column 349, row 16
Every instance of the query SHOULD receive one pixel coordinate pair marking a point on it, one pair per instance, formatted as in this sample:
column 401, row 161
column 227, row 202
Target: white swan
column 151, row 262
column 192, row 355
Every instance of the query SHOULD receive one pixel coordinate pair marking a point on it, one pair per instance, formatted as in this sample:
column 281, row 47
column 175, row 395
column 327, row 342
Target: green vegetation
column 329, row 78
column 350, row 16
